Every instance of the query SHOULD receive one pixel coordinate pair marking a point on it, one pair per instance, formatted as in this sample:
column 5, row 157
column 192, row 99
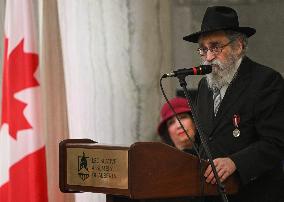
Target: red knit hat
column 180, row 106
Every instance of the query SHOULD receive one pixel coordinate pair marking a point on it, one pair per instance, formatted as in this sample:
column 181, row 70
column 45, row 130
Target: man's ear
column 239, row 46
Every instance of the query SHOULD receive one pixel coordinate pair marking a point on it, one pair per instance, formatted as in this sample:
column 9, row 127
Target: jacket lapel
column 204, row 108
column 234, row 92
column 209, row 117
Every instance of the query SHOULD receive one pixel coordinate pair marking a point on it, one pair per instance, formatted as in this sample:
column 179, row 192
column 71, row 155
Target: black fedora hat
column 219, row 18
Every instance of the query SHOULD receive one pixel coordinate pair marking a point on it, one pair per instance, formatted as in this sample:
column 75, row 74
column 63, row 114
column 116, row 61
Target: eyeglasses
column 214, row 50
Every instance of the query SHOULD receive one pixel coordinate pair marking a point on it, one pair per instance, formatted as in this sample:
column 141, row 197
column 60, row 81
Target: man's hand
column 224, row 166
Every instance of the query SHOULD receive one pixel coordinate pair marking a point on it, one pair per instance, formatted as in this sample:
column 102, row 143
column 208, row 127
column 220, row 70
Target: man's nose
column 210, row 56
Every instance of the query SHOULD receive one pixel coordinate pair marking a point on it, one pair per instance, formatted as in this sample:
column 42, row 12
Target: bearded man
column 240, row 108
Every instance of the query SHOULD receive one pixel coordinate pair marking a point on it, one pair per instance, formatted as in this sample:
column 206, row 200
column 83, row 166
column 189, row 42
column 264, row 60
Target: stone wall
column 266, row 17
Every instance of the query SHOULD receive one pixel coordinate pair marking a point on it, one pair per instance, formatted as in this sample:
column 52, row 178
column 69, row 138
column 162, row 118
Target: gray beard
column 222, row 73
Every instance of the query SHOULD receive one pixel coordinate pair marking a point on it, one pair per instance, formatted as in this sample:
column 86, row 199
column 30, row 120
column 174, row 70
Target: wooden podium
column 144, row 171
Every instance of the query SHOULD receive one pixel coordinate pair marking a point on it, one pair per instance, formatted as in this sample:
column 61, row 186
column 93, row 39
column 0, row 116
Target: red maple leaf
column 19, row 69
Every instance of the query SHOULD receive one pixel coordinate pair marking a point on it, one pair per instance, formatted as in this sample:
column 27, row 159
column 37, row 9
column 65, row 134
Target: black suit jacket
column 256, row 94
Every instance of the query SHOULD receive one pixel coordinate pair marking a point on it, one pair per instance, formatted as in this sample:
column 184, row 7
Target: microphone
column 200, row 70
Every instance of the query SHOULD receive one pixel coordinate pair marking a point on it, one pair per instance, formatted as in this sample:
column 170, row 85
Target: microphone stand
column 221, row 187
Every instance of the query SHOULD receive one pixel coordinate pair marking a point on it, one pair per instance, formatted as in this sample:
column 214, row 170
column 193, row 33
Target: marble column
column 114, row 52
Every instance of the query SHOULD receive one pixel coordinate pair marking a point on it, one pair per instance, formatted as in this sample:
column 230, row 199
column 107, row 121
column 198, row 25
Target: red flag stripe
column 28, row 178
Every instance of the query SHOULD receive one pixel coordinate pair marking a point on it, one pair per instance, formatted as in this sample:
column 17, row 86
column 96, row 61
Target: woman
column 169, row 128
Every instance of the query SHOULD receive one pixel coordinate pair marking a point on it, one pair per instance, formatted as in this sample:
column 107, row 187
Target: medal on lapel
column 236, row 122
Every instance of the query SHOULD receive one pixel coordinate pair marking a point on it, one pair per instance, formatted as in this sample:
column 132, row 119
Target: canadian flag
column 22, row 148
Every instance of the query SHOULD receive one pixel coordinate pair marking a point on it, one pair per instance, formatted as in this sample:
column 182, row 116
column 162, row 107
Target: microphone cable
column 195, row 147
column 175, row 114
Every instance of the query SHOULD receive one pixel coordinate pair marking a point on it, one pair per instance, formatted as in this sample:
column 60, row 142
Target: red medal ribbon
column 236, row 120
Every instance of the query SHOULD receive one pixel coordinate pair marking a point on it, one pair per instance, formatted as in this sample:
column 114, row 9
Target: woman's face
column 176, row 132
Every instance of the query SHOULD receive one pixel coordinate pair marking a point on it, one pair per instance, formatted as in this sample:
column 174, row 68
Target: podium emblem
column 83, row 170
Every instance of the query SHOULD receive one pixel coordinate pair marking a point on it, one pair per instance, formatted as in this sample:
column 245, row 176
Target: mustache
column 216, row 64
column 222, row 72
